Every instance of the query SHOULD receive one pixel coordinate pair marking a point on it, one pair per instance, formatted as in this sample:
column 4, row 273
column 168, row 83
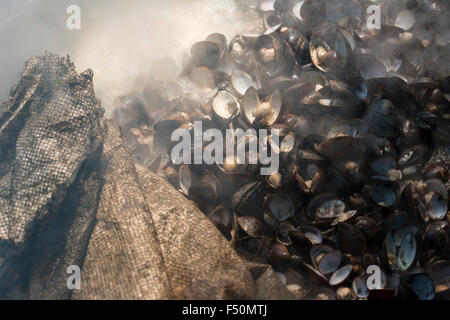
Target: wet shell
column 249, row 199
column 382, row 119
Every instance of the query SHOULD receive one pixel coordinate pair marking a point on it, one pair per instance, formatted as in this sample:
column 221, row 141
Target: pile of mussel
column 363, row 116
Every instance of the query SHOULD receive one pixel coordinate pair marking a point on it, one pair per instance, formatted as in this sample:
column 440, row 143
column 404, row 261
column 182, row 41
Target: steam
column 119, row 40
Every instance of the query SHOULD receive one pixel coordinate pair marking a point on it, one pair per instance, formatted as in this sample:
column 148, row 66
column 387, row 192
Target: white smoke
column 119, row 39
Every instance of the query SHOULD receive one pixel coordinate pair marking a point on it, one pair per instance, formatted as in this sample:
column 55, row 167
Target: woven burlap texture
column 70, row 193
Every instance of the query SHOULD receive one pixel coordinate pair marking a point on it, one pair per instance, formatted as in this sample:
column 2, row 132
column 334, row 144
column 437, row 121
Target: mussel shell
column 436, row 236
column 319, row 52
column 239, row 50
column 251, row 226
column 325, row 206
column 385, row 168
column 407, row 252
column 280, row 207
column 222, row 218
column 337, row 147
column 273, row 56
column 317, row 252
column 187, row 178
column 279, row 257
column 206, row 54
column 340, row 275
column 391, row 250
column 249, row 199
column 250, row 102
column 225, row 106
column 241, row 82
column 293, row 96
column 437, row 207
column 383, row 196
column 436, row 171
column 329, row 262
column 311, row 12
column 350, row 239
column 167, row 125
column 204, row 195
column 422, row 286
column 382, row 119
column 220, row 40
column 359, row 287
column 271, row 19
column 312, row 233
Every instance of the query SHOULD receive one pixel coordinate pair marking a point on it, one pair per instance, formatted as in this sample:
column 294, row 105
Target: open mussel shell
column 437, row 207
column 434, row 201
column 344, row 216
column 225, row 106
column 437, row 170
column 271, row 19
column 286, row 139
column 250, row 103
column 268, row 113
column 407, row 252
column 239, row 50
column 312, row 233
column 187, row 178
column 305, row 237
column 280, row 207
column 340, row 275
column 263, row 113
column 241, row 82
column 328, row 56
column 249, row 199
column 385, row 169
column 329, row 262
column 325, row 206
column 220, row 40
column 359, row 287
column 222, row 218
column 317, row 252
column 250, row 226
column 383, row 196
column 314, row 182
column 273, row 56
column 321, row 54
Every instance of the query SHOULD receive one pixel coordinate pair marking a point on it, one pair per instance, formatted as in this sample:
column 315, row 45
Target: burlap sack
column 70, row 194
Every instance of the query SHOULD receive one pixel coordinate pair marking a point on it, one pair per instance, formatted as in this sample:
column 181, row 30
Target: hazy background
column 119, row 39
